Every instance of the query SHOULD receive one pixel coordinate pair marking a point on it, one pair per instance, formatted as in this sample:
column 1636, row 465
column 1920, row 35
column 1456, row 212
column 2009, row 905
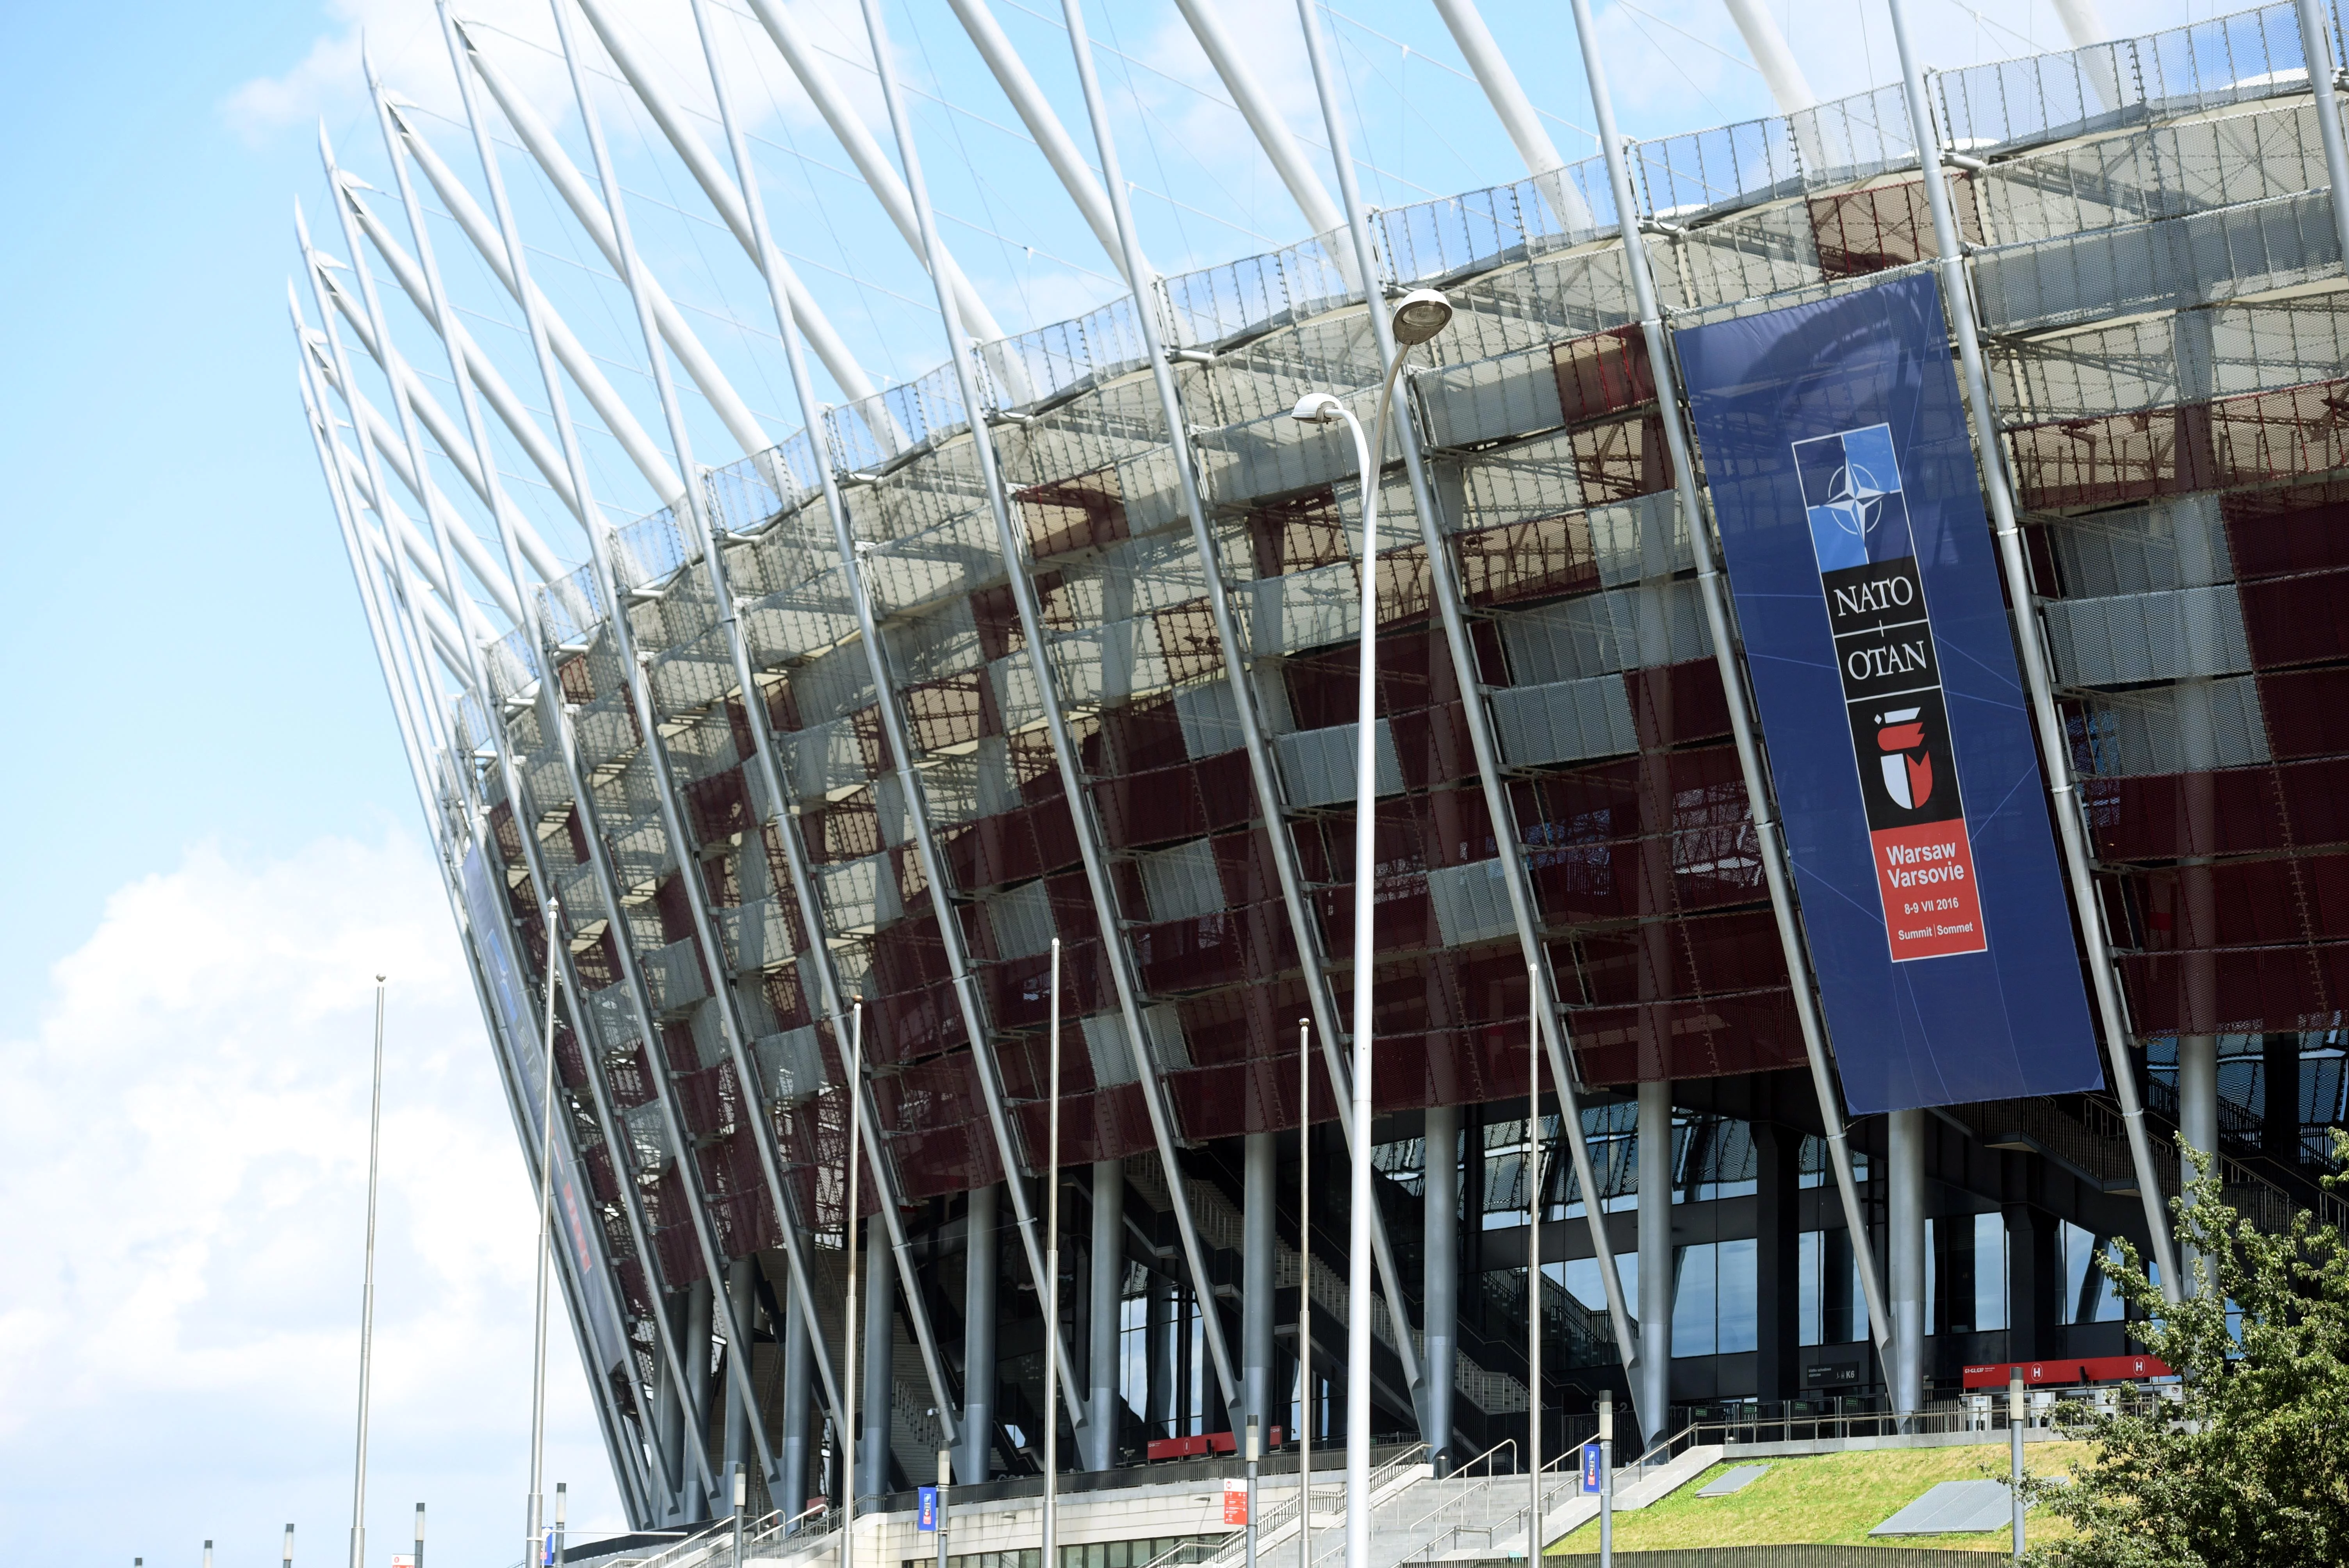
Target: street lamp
column 1418, row 316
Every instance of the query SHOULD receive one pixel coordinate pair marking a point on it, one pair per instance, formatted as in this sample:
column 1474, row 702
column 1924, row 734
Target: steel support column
column 1720, row 628
column 1653, row 1391
column 509, row 241
column 2054, row 740
column 1445, row 588
column 2316, row 47
column 875, row 1399
column 700, row 1298
column 1904, row 1246
column 2197, row 1129
column 608, row 1123
column 1105, row 1275
column 982, row 1268
column 628, row 1456
column 1272, row 799
column 1260, row 1211
column 1023, row 593
column 1439, row 1271
column 893, row 722
column 741, row 1295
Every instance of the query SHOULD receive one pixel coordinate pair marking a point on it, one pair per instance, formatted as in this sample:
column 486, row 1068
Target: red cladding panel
column 2297, row 620
column 1708, row 1039
column 2234, row 812
column 1108, row 1124
column 1603, row 374
column 2242, row 904
column 2243, row 990
column 1159, row 807
column 2307, row 712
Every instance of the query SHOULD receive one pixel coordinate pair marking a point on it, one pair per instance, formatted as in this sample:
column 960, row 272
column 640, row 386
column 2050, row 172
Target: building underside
column 1132, row 731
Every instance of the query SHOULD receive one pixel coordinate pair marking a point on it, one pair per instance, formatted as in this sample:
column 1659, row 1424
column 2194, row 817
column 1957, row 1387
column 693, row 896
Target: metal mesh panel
column 1526, row 306
column 1448, row 235
column 2193, row 727
column 1854, row 138
column 2147, row 637
column 1566, row 721
column 826, row 757
column 2179, row 543
column 1471, row 901
column 1617, row 630
column 892, row 424
column 1318, row 764
column 1182, row 883
column 1491, row 398
column 1052, row 362
column 1686, row 176
column 2042, row 98
column 647, row 550
column 1220, row 304
column 1760, row 252
column 2221, row 351
column 2168, row 265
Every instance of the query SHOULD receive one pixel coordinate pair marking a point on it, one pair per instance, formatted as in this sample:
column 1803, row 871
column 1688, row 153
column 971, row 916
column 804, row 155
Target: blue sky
column 216, row 842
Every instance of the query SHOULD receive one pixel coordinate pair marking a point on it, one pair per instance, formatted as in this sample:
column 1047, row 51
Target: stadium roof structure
column 1056, row 645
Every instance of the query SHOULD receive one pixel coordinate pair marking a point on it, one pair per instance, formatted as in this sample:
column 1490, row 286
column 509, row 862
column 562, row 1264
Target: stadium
column 1035, row 679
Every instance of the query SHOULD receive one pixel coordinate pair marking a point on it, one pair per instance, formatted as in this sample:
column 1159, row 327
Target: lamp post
column 1418, row 316
column 545, row 1226
column 1255, row 1449
column 847, row 1444
column 1045, row 1558
column 2014, row 1416
column 1533, row 1267
column 741, row 1496
column 1305, row 1292
column 1606, row 1474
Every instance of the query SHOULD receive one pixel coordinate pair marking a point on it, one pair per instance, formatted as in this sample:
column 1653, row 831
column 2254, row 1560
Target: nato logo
column 1851, row 493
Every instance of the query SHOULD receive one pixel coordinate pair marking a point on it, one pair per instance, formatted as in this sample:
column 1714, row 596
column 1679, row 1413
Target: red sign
column 1236, row 1502
column 1925, row 874
column 1200, row 1447
column 2072, row 1371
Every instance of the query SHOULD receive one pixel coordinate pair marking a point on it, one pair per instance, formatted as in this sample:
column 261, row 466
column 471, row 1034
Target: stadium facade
column 865, row 721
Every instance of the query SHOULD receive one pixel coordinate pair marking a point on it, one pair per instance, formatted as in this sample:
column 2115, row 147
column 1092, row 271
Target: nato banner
column 1868, row 593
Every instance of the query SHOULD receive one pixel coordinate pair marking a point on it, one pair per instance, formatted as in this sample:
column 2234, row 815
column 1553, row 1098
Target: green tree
column 2249, row 1464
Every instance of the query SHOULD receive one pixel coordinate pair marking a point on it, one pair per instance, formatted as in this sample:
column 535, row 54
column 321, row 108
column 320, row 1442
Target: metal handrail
column 1489, row 1477
column 1563, row 1466
column 1235, row 1546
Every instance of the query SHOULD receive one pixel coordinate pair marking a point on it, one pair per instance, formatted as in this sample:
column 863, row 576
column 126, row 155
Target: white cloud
column 181, row 1199
column 403, row 39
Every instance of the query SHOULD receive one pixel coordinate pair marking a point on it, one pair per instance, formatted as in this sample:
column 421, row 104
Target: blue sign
column 927, row 1503
column 1590, row 1472
column 1899, row 737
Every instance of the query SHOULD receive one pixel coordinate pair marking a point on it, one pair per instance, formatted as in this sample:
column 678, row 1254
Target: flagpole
column 366, row 1300
column 545, row 1226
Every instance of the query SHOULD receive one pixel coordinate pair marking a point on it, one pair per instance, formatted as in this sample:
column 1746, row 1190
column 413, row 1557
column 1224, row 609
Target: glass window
column 1737, row 1327
column 1832, row 1307
column 1713, row 1304
column 1695, row 1291
column 2088, row 1295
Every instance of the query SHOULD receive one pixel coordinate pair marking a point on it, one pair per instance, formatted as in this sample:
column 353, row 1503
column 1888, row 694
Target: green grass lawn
column 1825, row 1499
